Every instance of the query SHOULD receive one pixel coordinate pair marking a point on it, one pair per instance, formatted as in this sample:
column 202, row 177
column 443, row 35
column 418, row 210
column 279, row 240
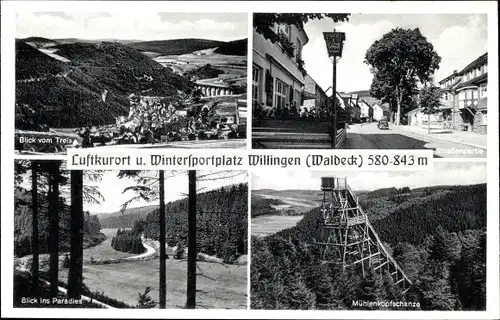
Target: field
column 218, row 286
column 104, row 251
column 269, row 224
column 234, row 67
column 299, row 201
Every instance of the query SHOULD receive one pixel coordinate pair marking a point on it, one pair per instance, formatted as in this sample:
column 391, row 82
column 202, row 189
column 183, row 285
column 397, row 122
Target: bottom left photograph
column 129, row 239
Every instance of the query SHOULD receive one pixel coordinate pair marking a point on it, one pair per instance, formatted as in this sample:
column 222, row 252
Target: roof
column 476, row 63
column 448, row 77
column 371, row 101
column 474, row 82
column 412, row 111
column 384, row 106
column 363, row 101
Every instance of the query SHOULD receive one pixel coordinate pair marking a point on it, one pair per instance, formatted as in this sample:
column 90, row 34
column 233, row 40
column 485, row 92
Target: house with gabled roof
column 464, row 96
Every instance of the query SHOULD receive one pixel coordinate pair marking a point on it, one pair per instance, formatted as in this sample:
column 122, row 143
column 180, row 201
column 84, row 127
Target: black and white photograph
column 401, row 81
column 149, row 80
column 369, row 240
column 129, row 239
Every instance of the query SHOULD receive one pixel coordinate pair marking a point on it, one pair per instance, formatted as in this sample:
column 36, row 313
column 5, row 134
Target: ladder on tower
column 348, row 235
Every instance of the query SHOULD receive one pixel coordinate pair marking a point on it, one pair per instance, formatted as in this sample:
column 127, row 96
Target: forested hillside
column 117, row 220
column 439, row 240
column 236, row 48
column 92, row 89
column 221, row 222
column 23, row 225
column 175, row 47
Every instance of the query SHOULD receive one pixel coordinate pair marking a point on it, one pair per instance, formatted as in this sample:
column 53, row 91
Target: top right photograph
column 371, row 81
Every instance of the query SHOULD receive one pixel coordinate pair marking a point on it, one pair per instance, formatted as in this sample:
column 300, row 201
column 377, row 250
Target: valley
column 218, row 286
column 107, row 93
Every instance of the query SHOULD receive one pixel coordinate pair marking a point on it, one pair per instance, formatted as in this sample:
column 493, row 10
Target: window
column 256, row 75
column 482, row 90
column 280, row 94
column 461, row 95
column 284, row 29
column 297, row 99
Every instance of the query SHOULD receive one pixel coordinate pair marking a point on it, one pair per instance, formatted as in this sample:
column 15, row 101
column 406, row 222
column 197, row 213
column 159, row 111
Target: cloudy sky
column 449, row 173
column 127, row 25
column 457, row 38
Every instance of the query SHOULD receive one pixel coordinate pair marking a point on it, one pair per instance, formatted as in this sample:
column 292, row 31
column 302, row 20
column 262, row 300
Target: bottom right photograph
column 369, row 240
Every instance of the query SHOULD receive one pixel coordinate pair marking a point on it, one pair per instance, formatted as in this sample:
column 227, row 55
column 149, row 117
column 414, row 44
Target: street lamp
column 334, row 45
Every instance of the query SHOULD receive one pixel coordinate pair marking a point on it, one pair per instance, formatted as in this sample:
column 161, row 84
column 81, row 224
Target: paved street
column 368, row 136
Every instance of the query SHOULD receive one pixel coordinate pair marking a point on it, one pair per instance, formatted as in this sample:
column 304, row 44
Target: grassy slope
column 125, row 280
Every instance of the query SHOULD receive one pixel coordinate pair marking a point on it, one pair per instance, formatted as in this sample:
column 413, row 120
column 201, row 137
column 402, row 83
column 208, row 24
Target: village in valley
column 74, row 93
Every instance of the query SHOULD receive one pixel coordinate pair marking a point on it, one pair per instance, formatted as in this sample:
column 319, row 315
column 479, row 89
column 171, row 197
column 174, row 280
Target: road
column 368, row 136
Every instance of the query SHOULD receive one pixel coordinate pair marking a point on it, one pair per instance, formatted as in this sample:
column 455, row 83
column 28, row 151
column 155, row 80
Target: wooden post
column 191, row 265
column 163, row 266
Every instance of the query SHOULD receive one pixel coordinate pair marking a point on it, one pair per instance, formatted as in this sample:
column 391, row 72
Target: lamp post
column 334, row 45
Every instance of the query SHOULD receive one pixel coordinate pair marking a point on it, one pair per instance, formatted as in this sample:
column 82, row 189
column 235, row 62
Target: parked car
column 383, row 125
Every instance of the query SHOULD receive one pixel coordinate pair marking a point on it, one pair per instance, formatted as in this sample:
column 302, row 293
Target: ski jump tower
column 347, row 236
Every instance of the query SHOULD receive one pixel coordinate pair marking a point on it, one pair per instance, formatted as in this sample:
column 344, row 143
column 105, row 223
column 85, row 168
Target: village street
column 368, row 136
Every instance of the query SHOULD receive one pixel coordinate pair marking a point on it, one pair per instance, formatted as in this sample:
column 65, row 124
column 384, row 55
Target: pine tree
column 145, row 301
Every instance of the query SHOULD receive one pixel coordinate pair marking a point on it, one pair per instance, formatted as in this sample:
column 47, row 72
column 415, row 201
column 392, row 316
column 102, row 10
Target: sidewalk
column 472, row 139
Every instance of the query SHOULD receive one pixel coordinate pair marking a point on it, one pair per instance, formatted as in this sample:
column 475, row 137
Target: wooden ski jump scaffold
column 347, row 236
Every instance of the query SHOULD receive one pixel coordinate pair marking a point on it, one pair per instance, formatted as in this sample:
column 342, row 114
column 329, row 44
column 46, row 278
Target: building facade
column 366, row 111
column 417, row 118
column 314, row 97
column 380, row 111
column 277, row 80
column 464, row 96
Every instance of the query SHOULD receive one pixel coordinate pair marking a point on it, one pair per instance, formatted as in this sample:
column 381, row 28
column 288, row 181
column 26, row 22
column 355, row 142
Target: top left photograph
column 125, row 80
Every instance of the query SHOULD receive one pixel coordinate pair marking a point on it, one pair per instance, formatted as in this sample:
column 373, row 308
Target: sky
column 457, row 38
column 130, row 26
column 176, row 187
column 449, row 173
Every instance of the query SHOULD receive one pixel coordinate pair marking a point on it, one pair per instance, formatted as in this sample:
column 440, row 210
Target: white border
column 7, row 125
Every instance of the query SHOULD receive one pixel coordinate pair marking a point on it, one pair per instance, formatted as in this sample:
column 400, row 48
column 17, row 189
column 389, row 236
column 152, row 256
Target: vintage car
column 383, row 124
